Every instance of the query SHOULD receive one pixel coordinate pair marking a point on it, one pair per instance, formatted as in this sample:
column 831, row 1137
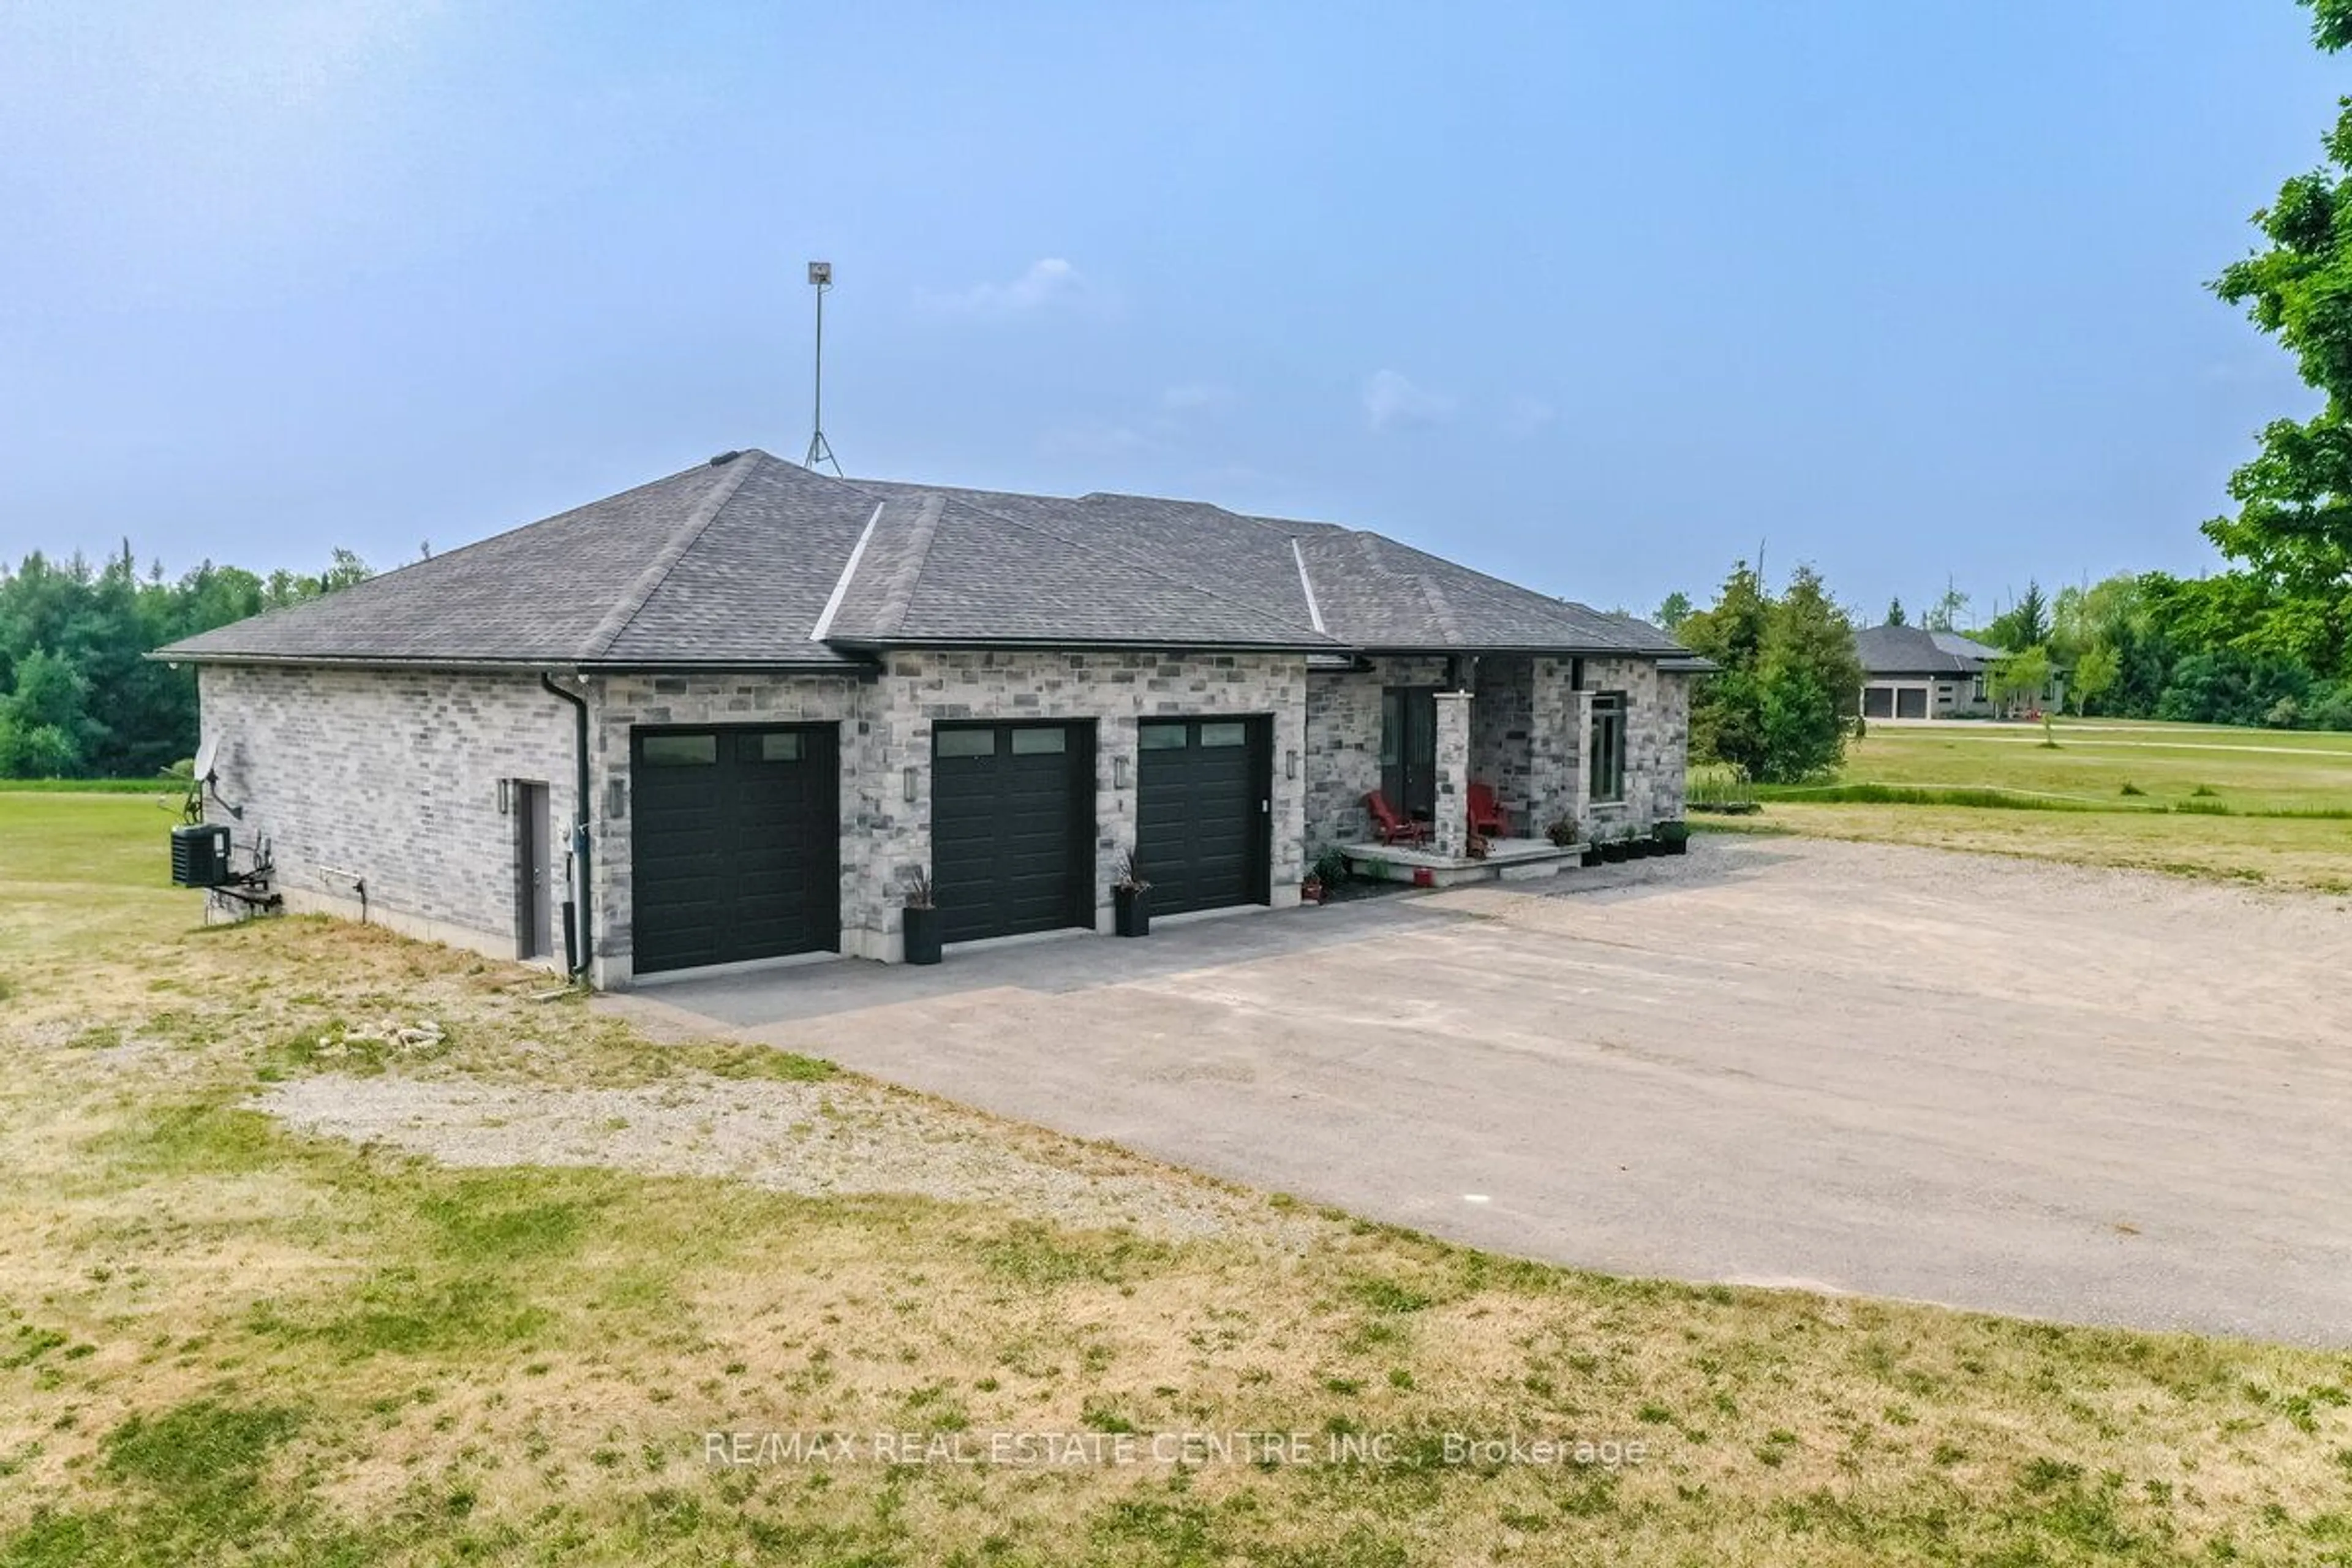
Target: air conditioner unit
column 200, row 854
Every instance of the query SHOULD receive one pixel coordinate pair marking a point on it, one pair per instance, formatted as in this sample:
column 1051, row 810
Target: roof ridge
column 1441, row 608
column 901, row 592
column 1139, row 562
column 632, row 604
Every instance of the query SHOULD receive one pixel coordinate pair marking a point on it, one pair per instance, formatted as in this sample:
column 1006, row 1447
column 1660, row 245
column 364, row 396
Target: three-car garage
column 736, row 840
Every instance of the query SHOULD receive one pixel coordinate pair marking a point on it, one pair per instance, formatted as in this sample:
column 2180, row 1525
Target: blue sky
column 1595, row 297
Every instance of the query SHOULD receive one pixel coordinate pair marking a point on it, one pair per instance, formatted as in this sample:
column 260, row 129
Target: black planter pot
column 1616, row 850
column 1131, row 911
column 1592, row 856
column 922, row 936
column 1674, row 845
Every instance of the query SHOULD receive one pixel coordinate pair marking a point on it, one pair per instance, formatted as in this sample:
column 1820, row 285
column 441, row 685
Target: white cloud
column 1048, row 283
column 1528, row 416
column 1393, row 401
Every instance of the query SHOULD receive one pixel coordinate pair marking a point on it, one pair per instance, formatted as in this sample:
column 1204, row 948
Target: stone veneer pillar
column 1452, row 834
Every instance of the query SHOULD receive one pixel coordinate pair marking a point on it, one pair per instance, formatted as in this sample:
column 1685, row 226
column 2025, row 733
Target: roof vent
column 724, row 458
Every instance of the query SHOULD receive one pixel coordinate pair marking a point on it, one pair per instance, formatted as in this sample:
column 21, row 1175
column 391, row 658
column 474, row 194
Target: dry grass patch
column 2312, row 855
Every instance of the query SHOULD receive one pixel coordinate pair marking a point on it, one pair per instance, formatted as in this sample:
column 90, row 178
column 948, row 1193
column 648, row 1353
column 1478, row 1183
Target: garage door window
column 1040, row 742
column 1232, row 735
column 680, row 750
column 967, row 742
column 773, row 748
column 1161, row 738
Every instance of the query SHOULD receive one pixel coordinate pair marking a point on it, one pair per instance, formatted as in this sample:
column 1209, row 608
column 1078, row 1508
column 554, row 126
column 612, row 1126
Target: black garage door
column 1201, row 804
column 735, row 844
column 1012, row 828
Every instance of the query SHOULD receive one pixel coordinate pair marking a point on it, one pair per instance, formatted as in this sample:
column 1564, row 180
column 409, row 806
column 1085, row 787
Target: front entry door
column 1409, row 750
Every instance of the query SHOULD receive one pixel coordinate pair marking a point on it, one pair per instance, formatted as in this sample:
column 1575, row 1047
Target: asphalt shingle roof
column 734, row 563
column 1915, row 650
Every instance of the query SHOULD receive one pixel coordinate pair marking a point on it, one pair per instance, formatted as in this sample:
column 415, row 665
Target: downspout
column 577, row 927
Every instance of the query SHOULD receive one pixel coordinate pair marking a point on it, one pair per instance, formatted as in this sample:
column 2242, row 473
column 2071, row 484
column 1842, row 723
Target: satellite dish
column 207, row 754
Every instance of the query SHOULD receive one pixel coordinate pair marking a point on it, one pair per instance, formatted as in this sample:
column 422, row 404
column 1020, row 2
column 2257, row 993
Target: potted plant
column 1615, row 845
column 1130, row 898
column 922, row 916
column 1673, row 838
column 1330, row 869
column 1562, row 833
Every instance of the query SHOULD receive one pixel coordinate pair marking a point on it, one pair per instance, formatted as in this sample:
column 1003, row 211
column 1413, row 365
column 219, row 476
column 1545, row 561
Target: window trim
column 1607, row 740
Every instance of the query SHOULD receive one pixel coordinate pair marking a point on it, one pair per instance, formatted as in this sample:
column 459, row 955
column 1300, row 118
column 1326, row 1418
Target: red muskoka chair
column 1488, row 817
column 1391, row 827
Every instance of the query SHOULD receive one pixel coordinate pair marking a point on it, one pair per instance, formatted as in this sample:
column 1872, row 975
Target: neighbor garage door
column 735, row 844
column 1201, row 812
column 1910, row 702
column 1012, row 828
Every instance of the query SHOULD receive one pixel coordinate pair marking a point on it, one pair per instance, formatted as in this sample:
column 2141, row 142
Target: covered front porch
column 1535, row 745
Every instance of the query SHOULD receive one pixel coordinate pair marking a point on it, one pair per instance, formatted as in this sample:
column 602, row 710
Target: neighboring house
column 757, row 697
column 1910, row 672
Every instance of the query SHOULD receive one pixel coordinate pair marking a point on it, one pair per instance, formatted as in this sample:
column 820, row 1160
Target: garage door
column 1878, row 703
column 1201, row 812
column 1012, row 828
column 735, row 844
column 1910, row 702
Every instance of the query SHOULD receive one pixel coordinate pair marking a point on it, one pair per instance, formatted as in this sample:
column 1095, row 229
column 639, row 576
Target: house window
column 1607, row 767
column 1978, row 694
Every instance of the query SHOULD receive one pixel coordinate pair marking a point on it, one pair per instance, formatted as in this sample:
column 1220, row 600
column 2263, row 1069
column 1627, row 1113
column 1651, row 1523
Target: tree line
column 79, row 697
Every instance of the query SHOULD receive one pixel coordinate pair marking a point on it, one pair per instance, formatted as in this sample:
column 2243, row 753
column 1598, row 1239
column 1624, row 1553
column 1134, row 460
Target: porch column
column 1452, row 795
column 1580, row 767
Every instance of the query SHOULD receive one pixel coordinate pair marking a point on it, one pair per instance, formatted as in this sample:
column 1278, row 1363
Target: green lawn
column 224, row 1342
column 2259, row 806
column 2251, row 771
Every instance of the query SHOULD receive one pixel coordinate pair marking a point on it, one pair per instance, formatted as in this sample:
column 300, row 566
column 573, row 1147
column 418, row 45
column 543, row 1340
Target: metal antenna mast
column 820, row 450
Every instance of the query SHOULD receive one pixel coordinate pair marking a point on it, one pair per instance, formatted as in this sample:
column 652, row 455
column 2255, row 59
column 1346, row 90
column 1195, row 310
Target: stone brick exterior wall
column 1343, row 743
column 1528, row 742
column 1657, row 742
column 393, row 776
column 390, row 777
column 1116, row 691
column 1528, row 732
column 619, row 703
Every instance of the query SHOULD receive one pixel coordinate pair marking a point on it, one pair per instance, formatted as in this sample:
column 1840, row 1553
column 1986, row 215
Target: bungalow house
column 1910, row 672
column 726, row 715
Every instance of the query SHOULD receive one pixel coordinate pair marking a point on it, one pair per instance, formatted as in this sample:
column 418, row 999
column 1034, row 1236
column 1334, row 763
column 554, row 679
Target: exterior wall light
column 1290, row 764
column 1118, row 773
column 910, row 785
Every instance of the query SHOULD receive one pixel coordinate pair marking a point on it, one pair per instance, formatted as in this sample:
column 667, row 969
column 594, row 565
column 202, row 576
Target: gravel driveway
column 2094, row 1096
